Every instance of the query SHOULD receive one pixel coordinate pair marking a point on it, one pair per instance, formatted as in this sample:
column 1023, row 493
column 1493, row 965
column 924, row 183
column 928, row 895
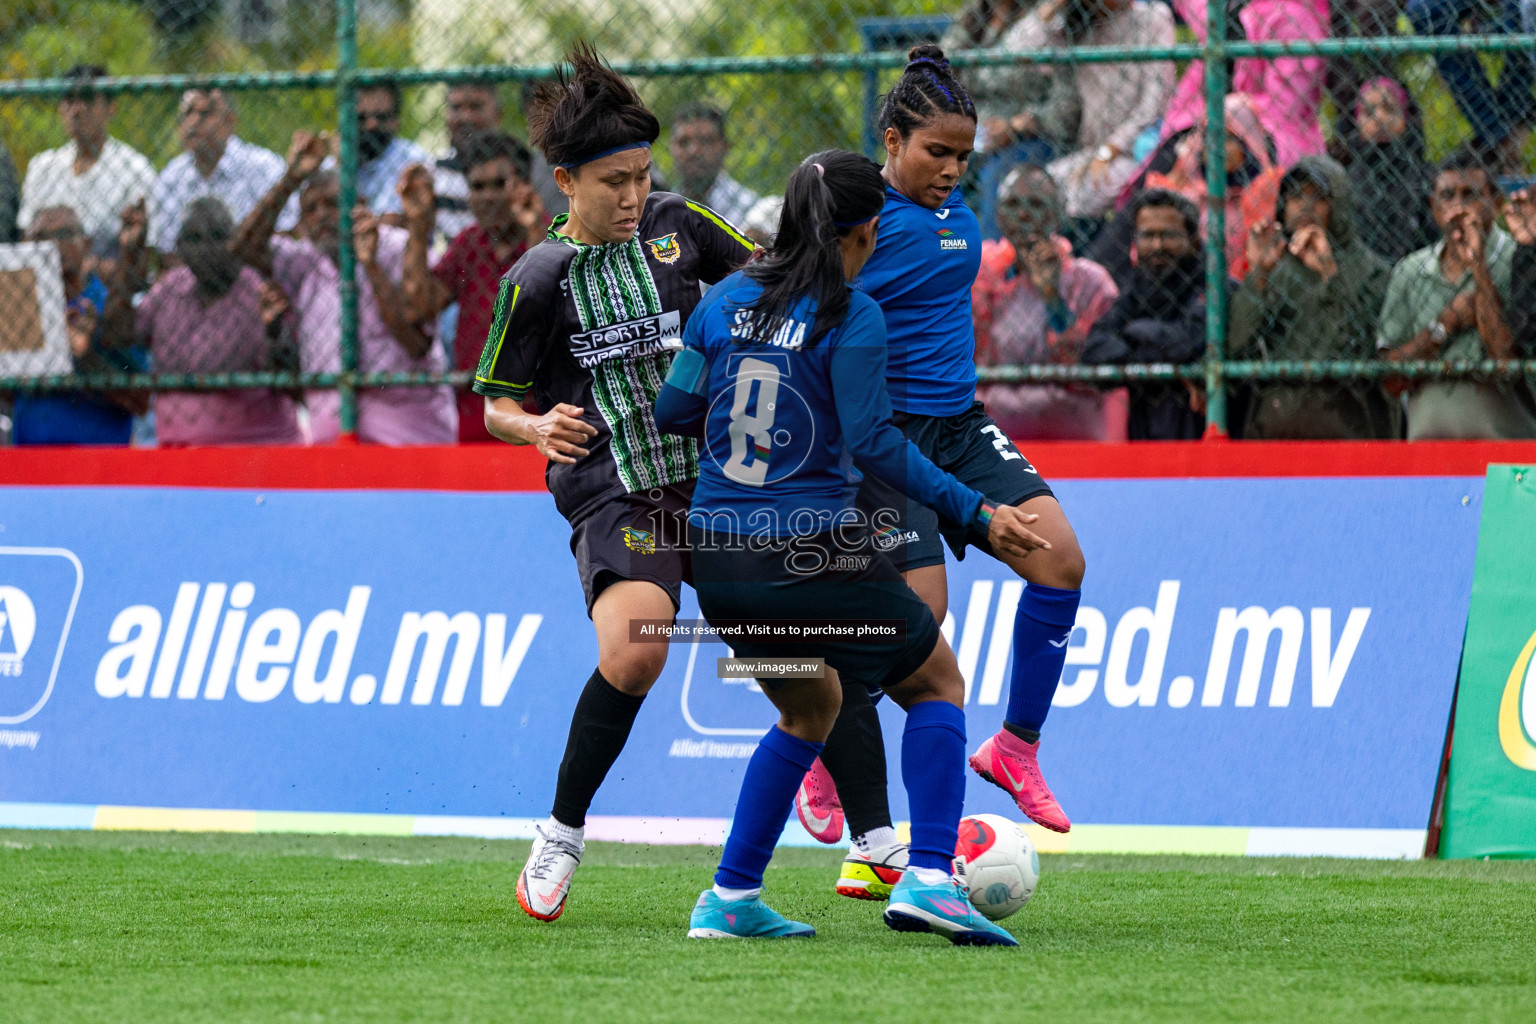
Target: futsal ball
column 999, row 863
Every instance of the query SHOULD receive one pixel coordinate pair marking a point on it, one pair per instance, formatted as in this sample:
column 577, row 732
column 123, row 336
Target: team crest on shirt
column 948, row 242
column 639, row 541
column 665, row 249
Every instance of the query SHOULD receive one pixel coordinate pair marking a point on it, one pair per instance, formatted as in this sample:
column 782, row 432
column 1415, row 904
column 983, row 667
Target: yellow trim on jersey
column 721, row 222
column 517, row 290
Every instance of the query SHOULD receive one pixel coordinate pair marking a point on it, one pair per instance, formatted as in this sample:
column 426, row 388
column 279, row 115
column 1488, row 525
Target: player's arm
column 722, row 248
column 519, row 334
column 683, row 404
column 864, row 413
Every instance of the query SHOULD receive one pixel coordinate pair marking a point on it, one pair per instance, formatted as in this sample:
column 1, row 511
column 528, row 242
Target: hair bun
column 927, row 53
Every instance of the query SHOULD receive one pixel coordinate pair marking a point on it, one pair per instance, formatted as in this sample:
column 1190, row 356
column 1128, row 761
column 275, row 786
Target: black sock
column 599, row 728
column 1027, row 735
column 855, row 758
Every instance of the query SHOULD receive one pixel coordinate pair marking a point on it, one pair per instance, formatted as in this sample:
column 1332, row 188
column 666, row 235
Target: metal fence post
column 1216, row 219
column 346, row 114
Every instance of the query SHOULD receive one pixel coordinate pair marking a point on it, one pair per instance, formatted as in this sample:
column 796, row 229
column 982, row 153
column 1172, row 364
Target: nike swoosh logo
column 942, row 214
column 549, row 893
column 819, row 824
column 1016, row 784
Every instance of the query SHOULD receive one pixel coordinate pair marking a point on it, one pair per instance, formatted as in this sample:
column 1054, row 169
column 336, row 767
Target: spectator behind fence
column 208, row 315
column 1253, row 180
column 1029, row 113
column 1500, row 116
column 10, row 196
column 93, row 174
column 509, row 220
column 472, row 109
column 1034, row 303
column 79, row 417
column 1387, row 169
column 1447, row 301
column 1520, row 215
column 217, row 163
column 1159, row 317
column 1313, row 293
column 542, row 175
column 699, row 146
column 387, row 340
column 382, row 155
column 1119, row 100
column 1286, row 92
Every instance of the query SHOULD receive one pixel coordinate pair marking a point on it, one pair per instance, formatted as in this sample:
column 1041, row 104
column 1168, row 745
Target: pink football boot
column 821, row 812
column 1013, row 765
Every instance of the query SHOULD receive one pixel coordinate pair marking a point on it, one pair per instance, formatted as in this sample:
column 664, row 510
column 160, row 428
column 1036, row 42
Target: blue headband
column 605, row 152
column 841, row 224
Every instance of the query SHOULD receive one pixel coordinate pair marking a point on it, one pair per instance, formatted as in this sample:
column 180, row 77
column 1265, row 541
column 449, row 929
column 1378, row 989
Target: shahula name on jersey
column 630, row 340
column 948, row 241
column 786, row 333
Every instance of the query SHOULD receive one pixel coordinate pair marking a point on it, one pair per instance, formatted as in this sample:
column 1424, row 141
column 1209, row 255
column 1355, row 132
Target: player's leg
column 733, row 907
column 928, row 897
column 981, row 456
column 600, row 725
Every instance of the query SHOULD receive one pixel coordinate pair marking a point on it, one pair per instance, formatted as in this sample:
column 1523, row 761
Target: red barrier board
column 499, row 467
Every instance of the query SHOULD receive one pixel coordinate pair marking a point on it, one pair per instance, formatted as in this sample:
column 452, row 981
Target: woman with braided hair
column 920, row 274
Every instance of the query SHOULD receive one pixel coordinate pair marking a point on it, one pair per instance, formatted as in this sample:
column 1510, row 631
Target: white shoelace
column 550, row 853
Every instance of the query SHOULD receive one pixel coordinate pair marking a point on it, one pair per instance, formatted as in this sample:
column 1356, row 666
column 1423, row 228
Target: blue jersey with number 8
column 784, row 425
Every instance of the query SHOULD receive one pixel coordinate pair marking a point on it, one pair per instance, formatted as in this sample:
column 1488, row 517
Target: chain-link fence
column 1274, row 218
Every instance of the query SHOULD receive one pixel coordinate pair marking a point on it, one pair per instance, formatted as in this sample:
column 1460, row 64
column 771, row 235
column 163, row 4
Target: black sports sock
column 599, row 728
column 855, row 757
column 1027, row 735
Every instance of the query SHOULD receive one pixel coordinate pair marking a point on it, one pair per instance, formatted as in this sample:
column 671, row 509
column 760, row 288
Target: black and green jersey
column 596, row 326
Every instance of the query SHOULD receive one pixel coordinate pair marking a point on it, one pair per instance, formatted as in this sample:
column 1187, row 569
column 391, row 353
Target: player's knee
column 635, row 668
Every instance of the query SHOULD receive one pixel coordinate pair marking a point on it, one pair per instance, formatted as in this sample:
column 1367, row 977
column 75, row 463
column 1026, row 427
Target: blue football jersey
column 784, row 425
column 921, row 272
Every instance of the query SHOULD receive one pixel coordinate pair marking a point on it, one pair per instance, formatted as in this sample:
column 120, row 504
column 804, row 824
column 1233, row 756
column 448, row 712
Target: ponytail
column 828, row 195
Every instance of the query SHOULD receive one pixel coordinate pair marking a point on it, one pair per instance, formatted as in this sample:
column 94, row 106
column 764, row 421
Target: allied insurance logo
column 39, row 588
column 1517, row 710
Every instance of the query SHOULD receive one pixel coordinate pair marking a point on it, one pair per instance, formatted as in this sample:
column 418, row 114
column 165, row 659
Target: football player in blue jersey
column 921, row 273
column 782, row 376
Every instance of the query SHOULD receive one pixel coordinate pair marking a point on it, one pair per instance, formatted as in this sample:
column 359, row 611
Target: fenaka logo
column 665, row 249
column 1517, row 710
column 640, row 541
column 948, row 242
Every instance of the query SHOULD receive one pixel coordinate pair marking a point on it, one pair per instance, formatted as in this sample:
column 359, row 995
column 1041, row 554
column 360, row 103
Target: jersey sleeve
column 864, row 415
column 521, row 321
column 722, row 249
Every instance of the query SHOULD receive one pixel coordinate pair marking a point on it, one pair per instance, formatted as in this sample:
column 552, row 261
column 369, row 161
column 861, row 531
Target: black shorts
column 977, row 453
column 642, row 536
column 813, row 579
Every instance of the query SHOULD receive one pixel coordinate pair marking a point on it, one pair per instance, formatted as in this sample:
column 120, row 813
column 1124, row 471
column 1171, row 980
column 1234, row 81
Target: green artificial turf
column 185, row 927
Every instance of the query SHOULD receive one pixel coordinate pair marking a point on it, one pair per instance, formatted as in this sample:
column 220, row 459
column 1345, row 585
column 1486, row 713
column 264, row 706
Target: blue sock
column 767, row 794
column 933, row 770
column 1044, row 621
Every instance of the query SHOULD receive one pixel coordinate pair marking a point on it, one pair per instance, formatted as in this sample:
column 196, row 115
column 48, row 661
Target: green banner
column 1490, row 804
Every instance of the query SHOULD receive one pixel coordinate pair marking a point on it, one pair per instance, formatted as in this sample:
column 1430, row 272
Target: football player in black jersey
column 586, row 324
